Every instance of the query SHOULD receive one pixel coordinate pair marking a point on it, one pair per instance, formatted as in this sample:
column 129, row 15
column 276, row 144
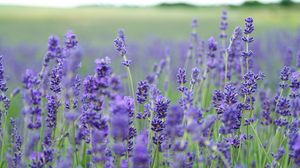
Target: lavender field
column 93, row 87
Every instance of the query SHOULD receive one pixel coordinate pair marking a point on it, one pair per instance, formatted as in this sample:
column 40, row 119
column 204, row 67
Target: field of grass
column 99, row 25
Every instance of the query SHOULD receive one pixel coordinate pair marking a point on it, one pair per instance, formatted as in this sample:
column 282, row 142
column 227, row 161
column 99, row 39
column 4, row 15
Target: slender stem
column 3, row 139
column 74, row 144
column 198, row 87
column 247, row 50
column 84, row 158
column 149, row 126
column 167, row 78
column 260, row 143
column 42, row 128
column 225, row 57
column 156, row 158
column 242, row 66
column 226, row 66
column 130, row 82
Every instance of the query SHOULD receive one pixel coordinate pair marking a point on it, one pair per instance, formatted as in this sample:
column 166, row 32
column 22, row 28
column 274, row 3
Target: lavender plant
column 213, row 111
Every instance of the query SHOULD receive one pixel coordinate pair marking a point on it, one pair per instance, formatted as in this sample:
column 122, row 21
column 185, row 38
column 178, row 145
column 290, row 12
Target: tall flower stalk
column 249, row 28
column 223, row 37
column 121, row 48
column 5, row 104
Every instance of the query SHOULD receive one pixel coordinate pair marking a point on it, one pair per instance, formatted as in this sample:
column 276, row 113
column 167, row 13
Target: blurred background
column 151, row 27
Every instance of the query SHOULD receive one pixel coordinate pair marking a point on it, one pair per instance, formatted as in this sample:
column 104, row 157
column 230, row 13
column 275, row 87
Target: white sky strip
column 73, row 3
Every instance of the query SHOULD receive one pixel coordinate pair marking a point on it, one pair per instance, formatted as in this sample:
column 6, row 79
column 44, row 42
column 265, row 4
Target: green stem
column 75, row 160
column 3, row 139
column 247, row 59
column 155, row 163
column 242, row 66
column 260, row 143
column 130, row 82
column 84, row 157
column 149, row 126
column 226, row 66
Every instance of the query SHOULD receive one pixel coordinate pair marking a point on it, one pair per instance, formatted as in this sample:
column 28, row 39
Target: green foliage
column 179, row 4
column 286, row 2
column 252, row 4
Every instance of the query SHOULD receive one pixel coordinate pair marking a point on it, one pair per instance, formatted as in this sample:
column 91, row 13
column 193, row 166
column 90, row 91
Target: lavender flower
column 228, row 97
column 194, row 23
column 15, row 159
column 37, row 160
column 284, row 76
column 32, row 97
column 157, row 124
column 99, row 143
column 280, row 122
column 249, row 84
column 231, row 118
column 295, row 149
column 266, row 112
column 285, row 73
column 52, row 108
column 279, row 154
column 206, row 126
column 142, row 92
column 161, row 106
column 186, row 101
column 295, row 85
column 70, row 40
column 249, row 28
column 212, row 47
column 225, row 149
column 141, row 156
column 195, row 76
column 283, row 107
column 53, row 43
column 223, row 24
column 234, row 50
column 298, row 60
column 181, row 76
column 54, row 50
column 56, row 78
column 183, row 160
column 121, row 120
column 48, row 151
column 3, row 87
column 120, row 43
column 173, row 121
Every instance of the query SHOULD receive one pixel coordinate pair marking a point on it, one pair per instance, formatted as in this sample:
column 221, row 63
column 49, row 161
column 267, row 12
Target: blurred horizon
column 121, row 3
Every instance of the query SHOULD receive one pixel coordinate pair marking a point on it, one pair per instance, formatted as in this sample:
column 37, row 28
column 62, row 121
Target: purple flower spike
column 161, row 106
column 195, row 76
column 52, row 108
column 223, row 24
column 142, row 92
column 70, row 40
column 181, row 76
column 249, row 28
column 295, row 149
column 212, row 48
column 15, row 158
column 141, row 156
column 120, row 43
column 298, row 60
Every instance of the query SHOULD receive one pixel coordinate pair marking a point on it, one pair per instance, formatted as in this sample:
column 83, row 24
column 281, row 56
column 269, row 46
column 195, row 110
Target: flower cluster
column 170, row 117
